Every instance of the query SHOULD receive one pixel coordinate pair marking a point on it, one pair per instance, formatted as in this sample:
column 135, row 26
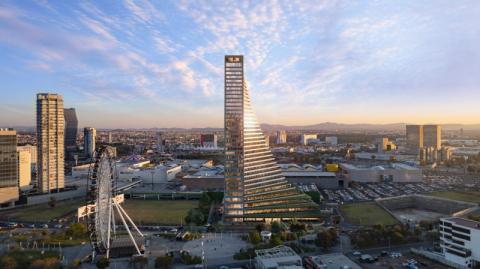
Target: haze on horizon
column 144, row 64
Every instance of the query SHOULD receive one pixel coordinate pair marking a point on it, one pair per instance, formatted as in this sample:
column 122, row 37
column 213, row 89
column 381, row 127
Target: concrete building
column 206, row 179
column 305, row 139
column 50, row 142
column 280, row 257
column 255, row 189
column 158, row 174
column 160, row 144
column 89, row 137
column 281, row 137
column 395, row 172
column 32, row 150
column 71, row 130
column 9, row 192
column 432, row 136
column 332, row 140
column 208, row 140
column 384, row 145
column 81, row 171
column 310, row 174
column 24, row 170
column 460, row 241
column 414, row 138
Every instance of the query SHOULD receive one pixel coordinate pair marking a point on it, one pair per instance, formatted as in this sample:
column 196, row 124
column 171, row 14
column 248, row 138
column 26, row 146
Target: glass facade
column 8, row 167
column 255, row 189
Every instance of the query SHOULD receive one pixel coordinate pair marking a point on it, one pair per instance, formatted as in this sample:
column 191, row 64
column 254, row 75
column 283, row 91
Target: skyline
column 146, row 65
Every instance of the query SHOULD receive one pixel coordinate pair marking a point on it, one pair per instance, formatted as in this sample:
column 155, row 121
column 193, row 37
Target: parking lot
column 359, row 192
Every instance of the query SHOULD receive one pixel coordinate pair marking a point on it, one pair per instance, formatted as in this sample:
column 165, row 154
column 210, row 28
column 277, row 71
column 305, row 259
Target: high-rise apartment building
column 71, row 129
column 414, row 138
column 24, row 169
column 432, row 136
column 281, row 137
column 255, row 189
column 50, row 142
column 8, row 168
column 89, row 136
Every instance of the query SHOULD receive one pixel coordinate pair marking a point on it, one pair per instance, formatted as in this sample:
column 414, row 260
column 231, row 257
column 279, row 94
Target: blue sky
column 160, row 63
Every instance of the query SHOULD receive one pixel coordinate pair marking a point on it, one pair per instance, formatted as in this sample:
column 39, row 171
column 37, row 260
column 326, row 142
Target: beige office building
column 50, row 142
column 432, row 136
column 8, row 168
column 24, row 170
column 414, row 137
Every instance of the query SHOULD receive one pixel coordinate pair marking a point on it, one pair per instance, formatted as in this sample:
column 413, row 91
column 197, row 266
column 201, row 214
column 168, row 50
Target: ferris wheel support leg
column 128, row 229
column 110, row 212
column 129, row 219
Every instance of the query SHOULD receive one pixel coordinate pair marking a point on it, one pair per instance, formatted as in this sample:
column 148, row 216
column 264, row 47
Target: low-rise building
column 333, row 261
column 395, row 172
column 310, row 174
column 332, row 140
column 206, row 179
column 305, row 139
column 280, row 257
column 460, row 241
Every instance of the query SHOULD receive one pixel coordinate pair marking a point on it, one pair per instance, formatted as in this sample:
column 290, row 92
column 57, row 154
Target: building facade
column 50, row 142
column 8, row 168
column 255, row 189
column 208, row 140
column 307, row 138
column 281, row 137
column 24, row 170
column 414, row 138
column 460, row 241
column 71, row 129
column 89, row 136
column 432, row 136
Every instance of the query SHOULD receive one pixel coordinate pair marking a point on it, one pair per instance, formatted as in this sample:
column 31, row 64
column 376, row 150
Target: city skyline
column 308, row 62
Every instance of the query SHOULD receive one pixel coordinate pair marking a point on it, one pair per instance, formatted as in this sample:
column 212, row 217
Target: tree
column 275, row 241
column 103, row 263
column 276, row 227
column 260, row 227
column 77, row 230
column 195, row 216
column 7, row 262
column 52, row 202
column 163, row 262
column 255, row 237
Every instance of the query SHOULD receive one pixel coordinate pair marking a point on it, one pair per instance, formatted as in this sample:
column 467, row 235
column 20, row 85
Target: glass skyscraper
column 255, row 189
column 8, row 167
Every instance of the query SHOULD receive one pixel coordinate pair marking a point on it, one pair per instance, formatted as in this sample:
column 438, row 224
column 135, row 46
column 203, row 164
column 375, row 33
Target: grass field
column 165, row 212
column 471, row 196
column 42, row 213
column 366, row 214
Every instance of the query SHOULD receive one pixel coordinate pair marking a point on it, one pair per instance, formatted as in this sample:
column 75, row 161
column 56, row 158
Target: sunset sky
column 160, row 63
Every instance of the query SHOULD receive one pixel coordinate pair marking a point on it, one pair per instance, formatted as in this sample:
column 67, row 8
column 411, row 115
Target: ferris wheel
column 104, row 200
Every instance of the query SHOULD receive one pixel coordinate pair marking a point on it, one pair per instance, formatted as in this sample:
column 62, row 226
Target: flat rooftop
column 335, row 260
column 464, row 222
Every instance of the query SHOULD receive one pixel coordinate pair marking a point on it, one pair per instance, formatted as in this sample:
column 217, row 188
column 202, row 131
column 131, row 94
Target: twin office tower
column 255, row 189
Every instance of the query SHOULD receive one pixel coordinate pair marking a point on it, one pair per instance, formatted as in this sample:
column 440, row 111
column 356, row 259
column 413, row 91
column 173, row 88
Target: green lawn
column 158, row 211
column 470, row 196
column 366, row 214
column 43, row 213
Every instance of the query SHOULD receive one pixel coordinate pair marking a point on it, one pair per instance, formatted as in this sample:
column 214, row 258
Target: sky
column 143, row 64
